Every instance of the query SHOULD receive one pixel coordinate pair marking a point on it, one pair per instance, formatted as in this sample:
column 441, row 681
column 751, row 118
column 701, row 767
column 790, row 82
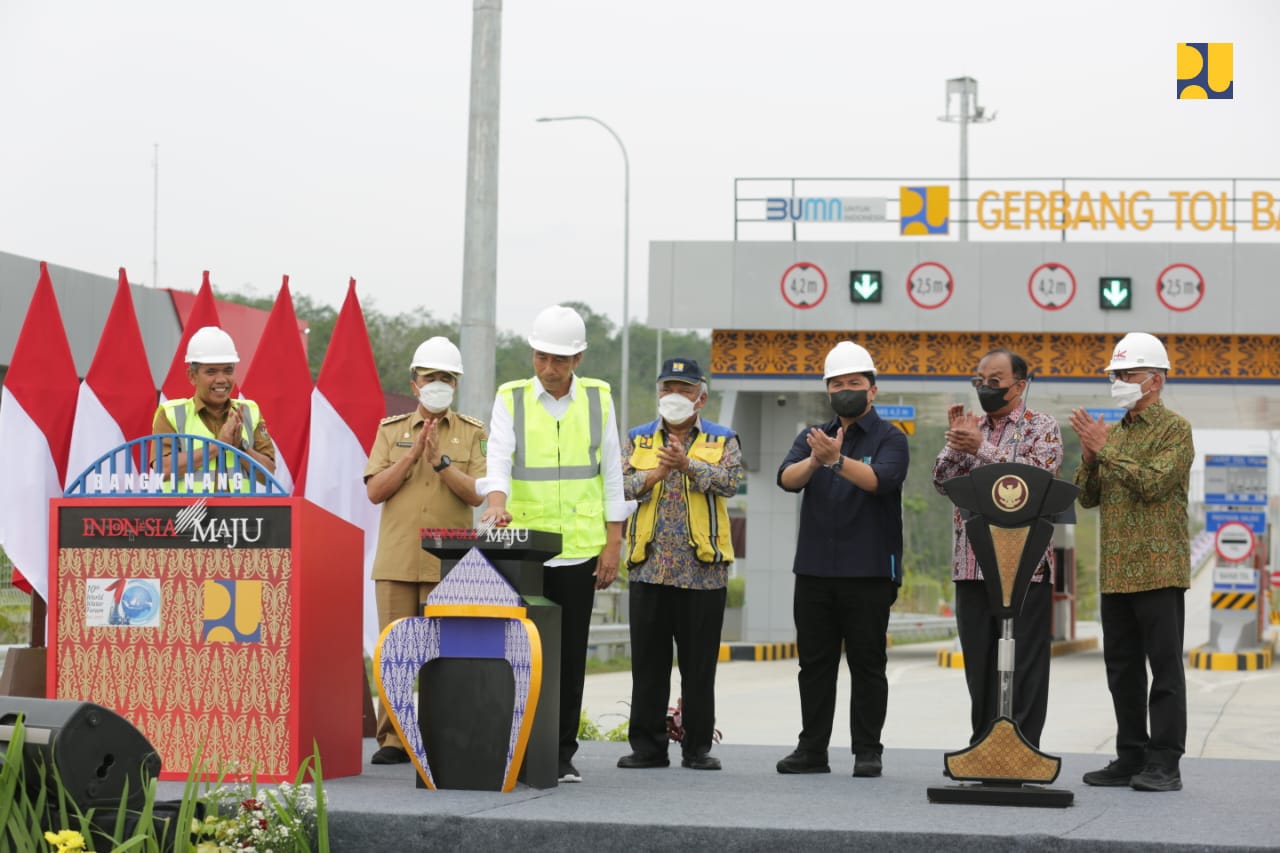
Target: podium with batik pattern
column 222, row 627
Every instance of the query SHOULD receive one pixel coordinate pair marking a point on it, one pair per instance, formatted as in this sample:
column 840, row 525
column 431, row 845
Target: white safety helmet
column 1138, row 349
column 211, row 345
column 437, row 353
column 848, row 357
column 559, row 331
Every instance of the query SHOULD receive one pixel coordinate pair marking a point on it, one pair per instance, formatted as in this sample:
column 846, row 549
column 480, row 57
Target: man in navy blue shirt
column 848, row 563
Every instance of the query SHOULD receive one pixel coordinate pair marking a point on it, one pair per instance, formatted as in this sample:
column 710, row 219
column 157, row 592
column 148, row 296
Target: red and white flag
column 279, row 381
column 118, row 396
column 346, row 406
column 37, row 408
column 204, row 312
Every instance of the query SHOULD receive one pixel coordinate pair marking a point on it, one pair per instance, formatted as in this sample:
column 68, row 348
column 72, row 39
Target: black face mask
column 992, row 399
column 849, row 404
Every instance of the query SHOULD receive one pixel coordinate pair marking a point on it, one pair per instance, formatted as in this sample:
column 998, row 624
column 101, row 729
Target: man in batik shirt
column 682, row 469
column 1009, row 432
column 1137, row 473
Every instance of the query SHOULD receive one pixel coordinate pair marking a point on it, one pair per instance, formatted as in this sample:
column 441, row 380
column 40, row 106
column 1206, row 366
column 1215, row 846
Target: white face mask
column 1127, row 394
column 435, row 397
column 675, row 408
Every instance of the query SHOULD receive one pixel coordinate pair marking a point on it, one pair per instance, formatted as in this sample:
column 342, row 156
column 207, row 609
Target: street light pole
column 624, row 423
column 969, row 113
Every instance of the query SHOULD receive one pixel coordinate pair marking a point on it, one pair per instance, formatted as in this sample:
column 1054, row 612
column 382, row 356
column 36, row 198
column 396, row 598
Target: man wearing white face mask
column 423, row 468
column 1138, row 472
column 682, row 469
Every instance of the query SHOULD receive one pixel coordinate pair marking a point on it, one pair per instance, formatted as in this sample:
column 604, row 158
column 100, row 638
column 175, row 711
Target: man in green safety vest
column 212, row 413
column 555, row 464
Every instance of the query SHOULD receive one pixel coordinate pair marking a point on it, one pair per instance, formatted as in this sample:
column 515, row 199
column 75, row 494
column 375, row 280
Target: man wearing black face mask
column 848, row 562
column 1010, row 432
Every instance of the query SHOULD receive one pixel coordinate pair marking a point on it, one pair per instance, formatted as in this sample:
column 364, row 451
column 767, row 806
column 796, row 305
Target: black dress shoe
column 867, row 764
column 1115, row 775
column 636, row 761
column 804, row 762
column 1157, row 778
column 700, row 762
column 390, row 755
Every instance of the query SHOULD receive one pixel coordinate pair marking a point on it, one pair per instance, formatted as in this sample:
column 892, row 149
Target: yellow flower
column 66, row 841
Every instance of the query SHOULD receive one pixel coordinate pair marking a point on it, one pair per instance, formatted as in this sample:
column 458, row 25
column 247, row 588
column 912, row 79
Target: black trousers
column 855, row 612
column 980, row 632
column 574, row 589
column 692, row 619
column 1141, row 629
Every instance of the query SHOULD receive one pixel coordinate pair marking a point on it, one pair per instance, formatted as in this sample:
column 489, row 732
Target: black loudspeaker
column 94, row 749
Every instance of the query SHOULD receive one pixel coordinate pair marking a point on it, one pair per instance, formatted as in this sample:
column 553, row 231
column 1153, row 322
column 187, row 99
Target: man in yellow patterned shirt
column 1137, row 472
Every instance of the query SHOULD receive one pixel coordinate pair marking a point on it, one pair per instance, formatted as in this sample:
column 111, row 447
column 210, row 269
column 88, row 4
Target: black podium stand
column 1010, row 507
column 518, row 555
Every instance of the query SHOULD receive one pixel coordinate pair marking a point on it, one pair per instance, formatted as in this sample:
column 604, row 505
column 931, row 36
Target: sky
column 327, row 140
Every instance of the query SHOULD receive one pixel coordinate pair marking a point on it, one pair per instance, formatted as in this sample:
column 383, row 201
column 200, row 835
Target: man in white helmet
column 423, row 469
column 211, row 412
column 848, row 562
column 557, row 467
column 1138, row 473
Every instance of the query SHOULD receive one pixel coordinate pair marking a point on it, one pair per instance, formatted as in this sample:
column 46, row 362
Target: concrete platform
column 1226, row 805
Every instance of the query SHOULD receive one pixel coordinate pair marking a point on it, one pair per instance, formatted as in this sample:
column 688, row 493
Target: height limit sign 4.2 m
column 1052, row 286
column 804, row 285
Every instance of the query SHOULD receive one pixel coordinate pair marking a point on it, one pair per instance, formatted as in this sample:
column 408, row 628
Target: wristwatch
column 445, row 462
column 835, row 466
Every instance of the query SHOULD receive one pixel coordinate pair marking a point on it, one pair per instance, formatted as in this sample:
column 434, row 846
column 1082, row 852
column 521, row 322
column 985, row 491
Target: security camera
column 782, row 399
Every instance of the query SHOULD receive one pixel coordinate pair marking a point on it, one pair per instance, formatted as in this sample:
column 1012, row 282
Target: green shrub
column 737, row 592
column 38, row 816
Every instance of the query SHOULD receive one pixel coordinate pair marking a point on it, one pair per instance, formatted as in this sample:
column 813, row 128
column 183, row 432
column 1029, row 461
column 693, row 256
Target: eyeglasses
column 1127, row 375
column 993, row 384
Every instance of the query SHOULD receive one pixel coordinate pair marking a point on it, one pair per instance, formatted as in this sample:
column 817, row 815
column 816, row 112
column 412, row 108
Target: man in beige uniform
column 423, row 467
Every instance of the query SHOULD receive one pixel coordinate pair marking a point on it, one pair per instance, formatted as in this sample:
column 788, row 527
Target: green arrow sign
column 864, row 286
column 1115, row 293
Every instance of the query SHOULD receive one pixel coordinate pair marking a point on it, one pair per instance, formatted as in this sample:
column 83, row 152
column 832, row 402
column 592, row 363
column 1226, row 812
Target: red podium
column 224, row 627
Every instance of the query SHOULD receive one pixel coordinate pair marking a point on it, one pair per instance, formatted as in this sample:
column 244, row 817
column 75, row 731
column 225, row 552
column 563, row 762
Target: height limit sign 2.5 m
column 930, row 284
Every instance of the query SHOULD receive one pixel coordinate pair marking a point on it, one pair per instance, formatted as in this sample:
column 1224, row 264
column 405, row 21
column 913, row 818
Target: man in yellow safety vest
column 211, row 412
column 555, row 464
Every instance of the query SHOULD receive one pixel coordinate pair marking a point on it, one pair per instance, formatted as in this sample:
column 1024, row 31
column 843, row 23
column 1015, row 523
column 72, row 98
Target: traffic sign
column 1052, row 286
column 1234, row 542
column 1235, row 480
column 1110, row 416
column 1115, row 293
column 1180, row 287
column 930, row 285
column 804, row 285
column 1234, row 579
column 865, row 286
column 1275, row 579
column 896, row 413
column 1255, row 521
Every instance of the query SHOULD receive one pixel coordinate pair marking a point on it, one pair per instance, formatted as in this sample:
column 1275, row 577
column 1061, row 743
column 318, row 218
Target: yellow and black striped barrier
column 1234, row 601
column 1250, row 660
column 756, row 651
column 954, row 658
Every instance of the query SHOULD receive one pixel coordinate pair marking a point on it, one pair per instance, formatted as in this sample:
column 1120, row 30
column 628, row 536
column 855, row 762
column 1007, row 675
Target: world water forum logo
column 1205, row 71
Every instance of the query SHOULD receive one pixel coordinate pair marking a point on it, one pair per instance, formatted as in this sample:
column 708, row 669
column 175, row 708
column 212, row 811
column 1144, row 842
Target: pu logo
column 924, row 210
column 232, row 611
column 1205, row 71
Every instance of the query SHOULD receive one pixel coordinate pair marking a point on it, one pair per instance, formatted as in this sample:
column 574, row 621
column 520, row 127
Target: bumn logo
column 1205, row 71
